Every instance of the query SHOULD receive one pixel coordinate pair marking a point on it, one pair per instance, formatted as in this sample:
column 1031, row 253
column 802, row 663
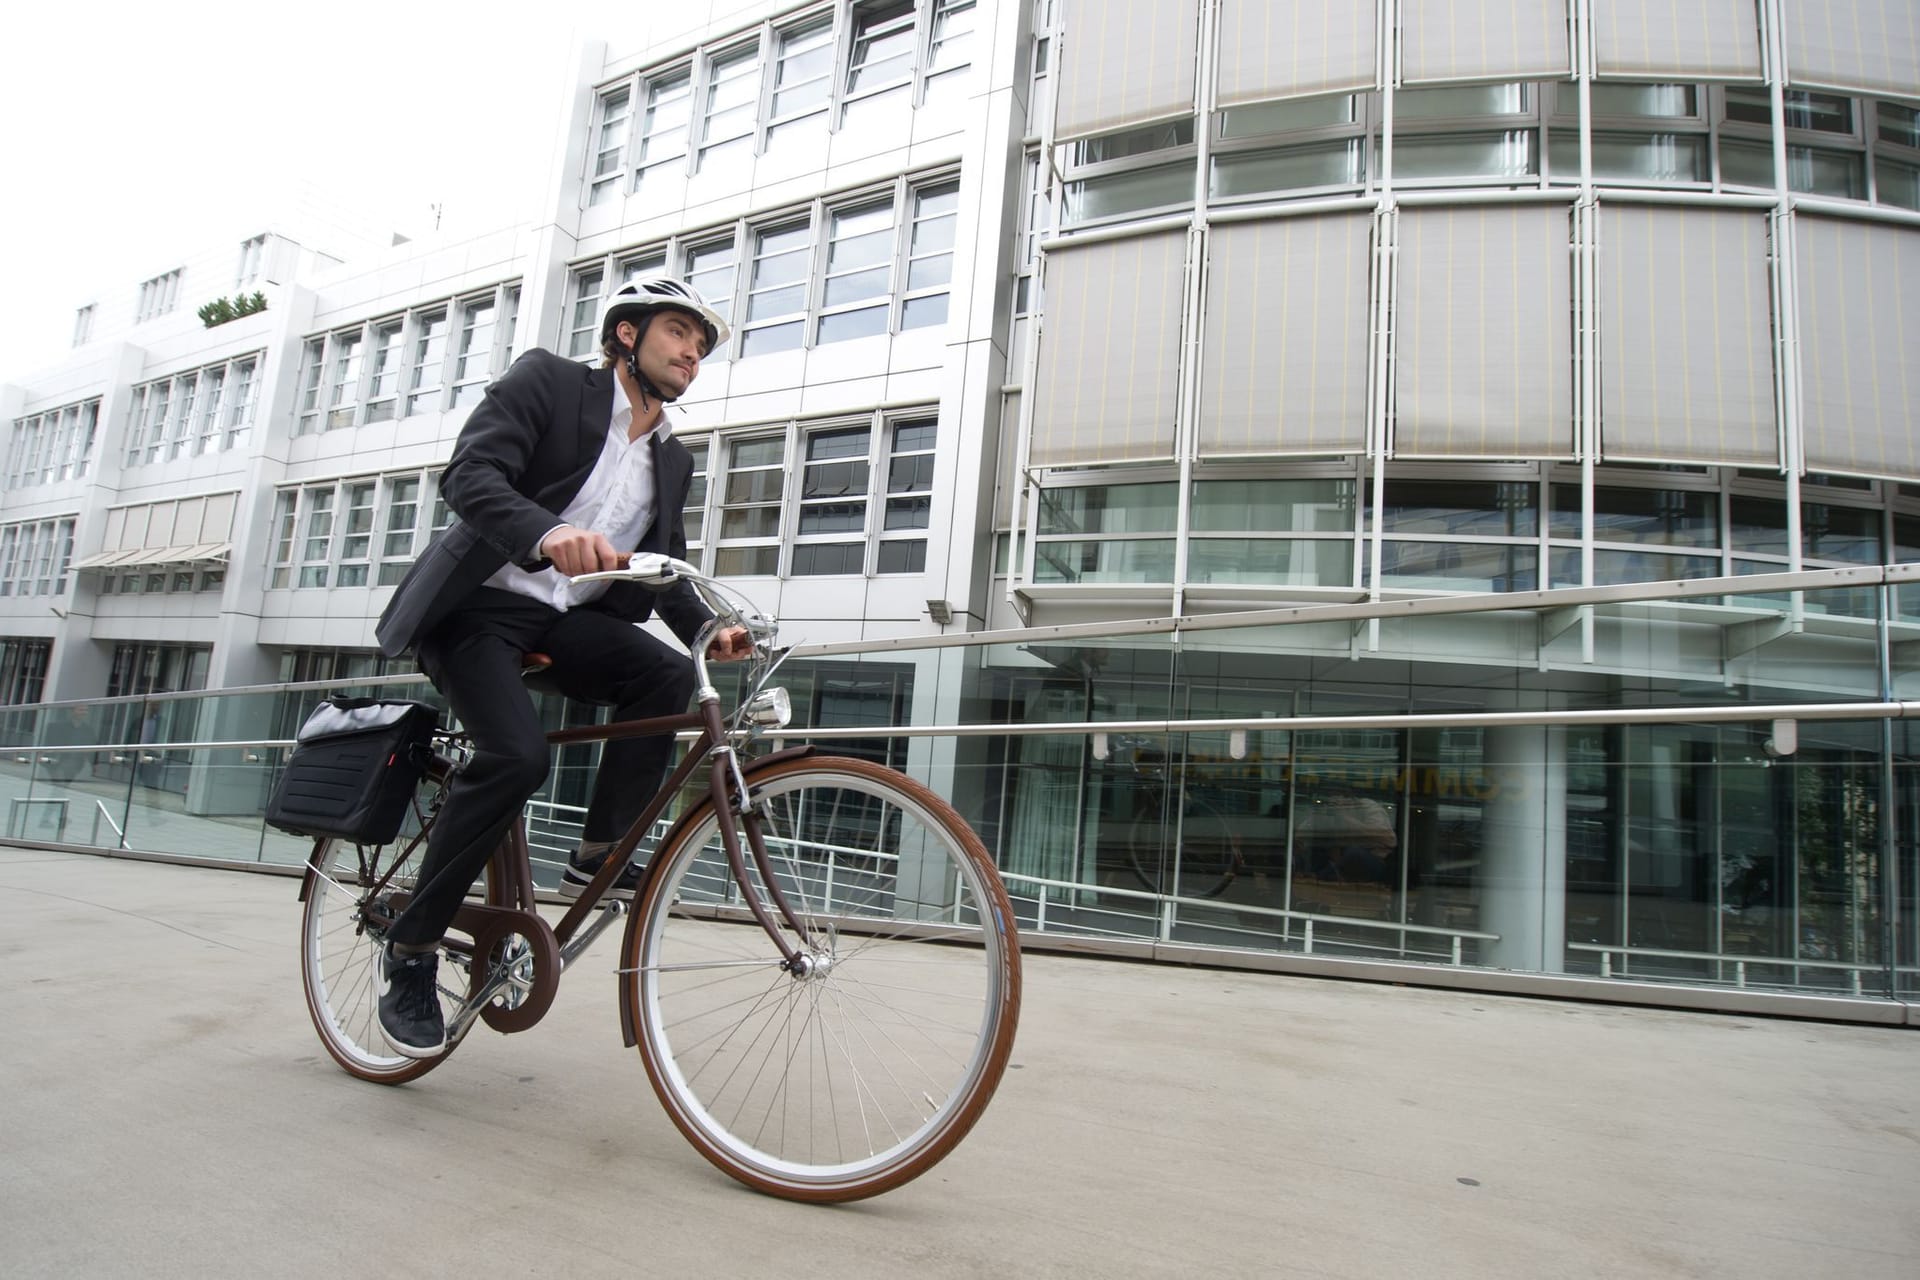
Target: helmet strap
column 632, row 355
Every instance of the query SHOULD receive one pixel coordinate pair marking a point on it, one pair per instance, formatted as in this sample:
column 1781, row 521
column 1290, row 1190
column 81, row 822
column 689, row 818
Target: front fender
column 627, row 976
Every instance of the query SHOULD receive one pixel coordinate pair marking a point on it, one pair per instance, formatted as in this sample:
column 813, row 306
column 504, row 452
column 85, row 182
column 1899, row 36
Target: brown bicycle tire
column 876, row 937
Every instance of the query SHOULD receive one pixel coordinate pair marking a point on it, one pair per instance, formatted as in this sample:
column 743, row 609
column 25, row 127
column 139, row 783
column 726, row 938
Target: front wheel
column 861, row 1070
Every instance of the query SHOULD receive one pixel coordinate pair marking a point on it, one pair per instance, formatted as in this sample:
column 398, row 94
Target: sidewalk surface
column 166, row 1110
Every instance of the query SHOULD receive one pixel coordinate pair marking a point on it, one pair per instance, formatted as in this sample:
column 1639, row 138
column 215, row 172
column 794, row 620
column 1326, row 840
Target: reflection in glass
column 1463, row 508
column 1630, row 101
column 1896, row 183
column 1670, row 517
column 1287, row 562
column 1140, row 560
column 1625, row 157
column 1612, row 568
column 1464, row 102
column 1259, row 506
column 1109, row 508
column 1129, row 192
column 1444, row 566
column 1489, row 155
column 1297, row 116
column 1326, row 164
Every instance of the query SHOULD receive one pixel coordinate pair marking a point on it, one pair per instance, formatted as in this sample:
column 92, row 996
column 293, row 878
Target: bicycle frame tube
column 701, row 748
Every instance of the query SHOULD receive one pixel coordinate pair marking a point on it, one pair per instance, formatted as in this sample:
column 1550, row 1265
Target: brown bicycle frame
column 509, row 908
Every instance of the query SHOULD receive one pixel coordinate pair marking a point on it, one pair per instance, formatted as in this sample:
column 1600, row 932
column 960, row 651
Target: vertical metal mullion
column 1587, row 221
column 1186, row 403
column 1386, row 258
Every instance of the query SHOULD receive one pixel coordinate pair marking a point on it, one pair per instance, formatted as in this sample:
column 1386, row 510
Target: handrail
column 1853, row 968
column 1718, row 714
column 1167, row 905
column 1424, row 605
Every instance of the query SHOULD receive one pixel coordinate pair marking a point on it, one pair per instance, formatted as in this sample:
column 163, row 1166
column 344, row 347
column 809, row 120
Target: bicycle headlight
column 769, row 709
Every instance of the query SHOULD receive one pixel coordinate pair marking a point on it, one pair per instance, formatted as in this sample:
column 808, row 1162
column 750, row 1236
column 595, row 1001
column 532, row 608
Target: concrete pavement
column 166, row 1110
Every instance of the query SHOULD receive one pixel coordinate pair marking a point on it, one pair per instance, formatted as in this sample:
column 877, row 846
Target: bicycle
column 820, row 967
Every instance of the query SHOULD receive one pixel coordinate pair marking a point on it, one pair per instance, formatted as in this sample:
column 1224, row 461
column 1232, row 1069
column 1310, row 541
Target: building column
column 1523, row 848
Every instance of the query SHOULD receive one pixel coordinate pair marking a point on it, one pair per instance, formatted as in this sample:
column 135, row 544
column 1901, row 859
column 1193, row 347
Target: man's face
column 671, row 351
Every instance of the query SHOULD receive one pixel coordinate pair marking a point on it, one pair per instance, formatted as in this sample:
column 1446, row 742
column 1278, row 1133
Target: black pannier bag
column 353, row 770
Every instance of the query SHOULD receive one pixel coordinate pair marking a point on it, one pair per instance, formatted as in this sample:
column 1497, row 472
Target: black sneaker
column 581, row 870
column 410, row 1018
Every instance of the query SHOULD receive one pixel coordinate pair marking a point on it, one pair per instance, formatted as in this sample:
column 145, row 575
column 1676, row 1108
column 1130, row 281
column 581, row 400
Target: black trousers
column 473, row 658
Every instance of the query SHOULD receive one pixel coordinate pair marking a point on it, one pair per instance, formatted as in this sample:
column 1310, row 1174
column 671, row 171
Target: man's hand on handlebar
column 577, row 551
column 730, row 645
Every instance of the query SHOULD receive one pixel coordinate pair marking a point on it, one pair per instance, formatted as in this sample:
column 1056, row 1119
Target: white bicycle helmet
column 639, row 299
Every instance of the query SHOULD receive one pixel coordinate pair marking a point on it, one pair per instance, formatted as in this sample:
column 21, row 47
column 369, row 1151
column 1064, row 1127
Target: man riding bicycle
column 557, row 472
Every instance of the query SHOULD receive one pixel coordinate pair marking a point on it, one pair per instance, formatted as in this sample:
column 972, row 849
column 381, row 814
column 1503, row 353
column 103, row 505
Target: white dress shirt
column 618, row 500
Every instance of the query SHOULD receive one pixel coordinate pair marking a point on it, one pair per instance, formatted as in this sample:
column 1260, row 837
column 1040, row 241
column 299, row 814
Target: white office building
column 1410, row 375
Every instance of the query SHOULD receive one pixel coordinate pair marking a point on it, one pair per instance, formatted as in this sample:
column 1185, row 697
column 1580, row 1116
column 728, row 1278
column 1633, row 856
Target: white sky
column 131, row 135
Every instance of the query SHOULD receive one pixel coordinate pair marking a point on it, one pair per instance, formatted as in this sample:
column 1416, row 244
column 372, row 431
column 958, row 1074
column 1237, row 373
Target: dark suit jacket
column 523, row 454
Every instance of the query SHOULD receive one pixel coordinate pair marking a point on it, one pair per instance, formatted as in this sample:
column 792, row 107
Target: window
column 383, row 371
column 213, row 386
column 356, row 535
column 1251, row 532
column 312, row 369
column 253, row 254
column 240, row 403
column 909, row 497
column 285, row 503
column 610, row 142
column 732, row 93
column 186, row 389
column 316, row 549
column 861, row 503
column 1896, row 155
column 882, row 52
column 831, row 533
column 749, row 541
column 802, row 73
column 158, row 296
column 583, row 330
column 949, row 45
column 343, row 383
column 427, row 368
column 398, row 529
column 930, row 256
column 140, row 667
column 1825, row 146
column 47, row 447
column 1130, row 172
column 777, row 289
column 23, row 670
column 859, row 281
column 34, row 557
column 358, row 532
column 154, row 428
column 693, row 515
column 83, row 325
column 710, row 273
column 473, row 366
column 663, row 130
column 1106, row 533
column 204, row 410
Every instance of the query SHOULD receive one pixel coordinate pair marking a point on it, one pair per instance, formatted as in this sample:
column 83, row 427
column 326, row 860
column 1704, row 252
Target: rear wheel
column 340, row 944
column 863, row 1069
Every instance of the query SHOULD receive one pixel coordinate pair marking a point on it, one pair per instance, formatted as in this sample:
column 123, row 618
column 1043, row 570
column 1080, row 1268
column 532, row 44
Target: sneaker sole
column 411, row 1050
column 568, row 889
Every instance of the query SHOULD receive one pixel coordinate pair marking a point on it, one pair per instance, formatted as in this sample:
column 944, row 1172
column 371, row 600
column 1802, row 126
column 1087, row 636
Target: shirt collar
column 622, row 419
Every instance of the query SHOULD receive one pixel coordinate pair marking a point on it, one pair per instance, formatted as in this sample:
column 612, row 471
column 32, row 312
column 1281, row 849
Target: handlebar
column 730, row 609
